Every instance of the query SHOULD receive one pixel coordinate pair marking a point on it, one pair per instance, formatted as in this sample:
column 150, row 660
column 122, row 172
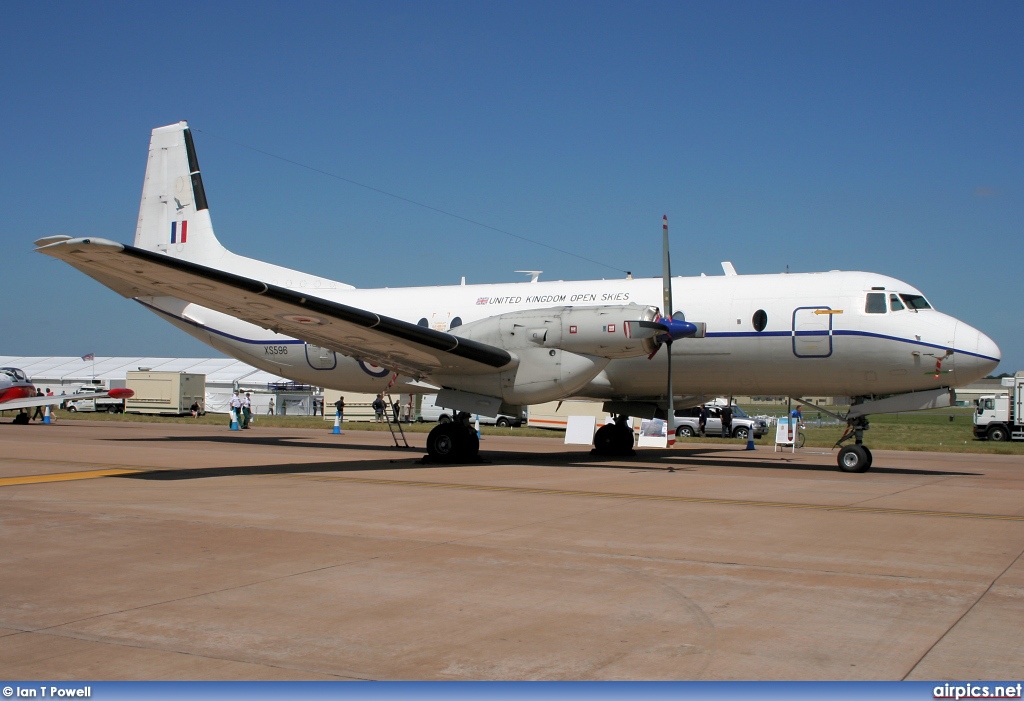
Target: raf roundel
column 374, row 370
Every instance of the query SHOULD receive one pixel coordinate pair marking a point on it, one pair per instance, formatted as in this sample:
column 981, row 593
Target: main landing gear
column 453, row 442
column 856, row 457
column 615, row 438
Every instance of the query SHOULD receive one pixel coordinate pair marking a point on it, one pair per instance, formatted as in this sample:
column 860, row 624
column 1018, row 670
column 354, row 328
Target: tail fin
column 174, row 217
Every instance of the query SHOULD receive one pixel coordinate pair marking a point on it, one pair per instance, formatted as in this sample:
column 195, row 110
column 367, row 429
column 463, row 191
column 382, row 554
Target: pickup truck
column 107, row 404
column 687, row 422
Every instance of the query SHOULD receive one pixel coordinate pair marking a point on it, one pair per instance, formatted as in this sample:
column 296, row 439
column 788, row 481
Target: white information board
column 653, row 434
column 579, row 430
column 786, row 433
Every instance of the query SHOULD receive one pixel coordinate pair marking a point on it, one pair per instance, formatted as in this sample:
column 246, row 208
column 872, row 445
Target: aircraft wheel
column 854, row 458
column 446, row 442
column 604, row 440
column 624, row 440
column 871, row 457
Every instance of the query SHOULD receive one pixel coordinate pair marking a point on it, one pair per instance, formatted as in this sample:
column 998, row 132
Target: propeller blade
column 666, row 270
column 671, row 326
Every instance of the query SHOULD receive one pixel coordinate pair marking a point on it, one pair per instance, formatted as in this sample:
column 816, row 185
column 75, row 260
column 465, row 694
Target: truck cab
column 998, row 417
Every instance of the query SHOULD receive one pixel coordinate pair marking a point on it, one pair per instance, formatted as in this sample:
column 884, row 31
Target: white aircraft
column 493, row 348
column 18, row 392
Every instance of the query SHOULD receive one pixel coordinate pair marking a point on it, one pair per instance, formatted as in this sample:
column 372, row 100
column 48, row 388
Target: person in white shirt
column 246, row 409
column 236, row 407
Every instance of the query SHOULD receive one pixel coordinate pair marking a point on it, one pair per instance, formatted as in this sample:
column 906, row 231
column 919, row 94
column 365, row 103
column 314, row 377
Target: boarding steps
column 389, row 416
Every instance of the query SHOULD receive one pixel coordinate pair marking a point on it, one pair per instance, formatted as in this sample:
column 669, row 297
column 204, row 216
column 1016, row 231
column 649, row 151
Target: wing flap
column 392, row 343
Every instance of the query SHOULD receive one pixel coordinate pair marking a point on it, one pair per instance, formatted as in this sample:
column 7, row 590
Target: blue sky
column 814, row 135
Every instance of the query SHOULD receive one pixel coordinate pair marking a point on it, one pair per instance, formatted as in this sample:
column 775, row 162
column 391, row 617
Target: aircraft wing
column 53, row 400
column 391, row 343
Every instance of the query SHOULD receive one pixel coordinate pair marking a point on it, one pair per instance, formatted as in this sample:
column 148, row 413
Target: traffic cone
column 477, row 428
column 234, row 420
column 750, row 439
column 46, row 415
column 337, row 425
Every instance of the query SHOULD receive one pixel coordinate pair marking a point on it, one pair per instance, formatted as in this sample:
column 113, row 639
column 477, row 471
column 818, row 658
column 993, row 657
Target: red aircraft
column 18, row 392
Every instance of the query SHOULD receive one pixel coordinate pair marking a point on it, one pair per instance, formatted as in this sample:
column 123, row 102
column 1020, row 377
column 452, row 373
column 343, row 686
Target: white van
column 429, row 411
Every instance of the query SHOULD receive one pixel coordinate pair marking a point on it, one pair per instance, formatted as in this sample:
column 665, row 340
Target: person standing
column 246, row 409
column 270, row 409
column 236, row 408
column 702, row 419
column 378, row 409
column 726, row 421
column 396, row 410
column 39, row 409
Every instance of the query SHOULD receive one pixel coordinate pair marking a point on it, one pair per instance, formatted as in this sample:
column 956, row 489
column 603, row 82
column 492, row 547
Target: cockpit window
column 915, row 302
column 875, row 303
column 895, row 304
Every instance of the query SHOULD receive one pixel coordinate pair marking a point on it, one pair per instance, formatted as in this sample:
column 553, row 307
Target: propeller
column 665, row 328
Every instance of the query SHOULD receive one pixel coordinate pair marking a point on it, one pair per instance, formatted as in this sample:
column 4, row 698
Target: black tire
column 111, row 409
column 801, row 439
column 998, row 433
column 604, row 440
column 503, row 422
column 447, row 442
column 685, row 432
column 854, row 458
column 871, row 457
column 72, row 409
column 444, row 419
column 741, row 432
column 623, row 440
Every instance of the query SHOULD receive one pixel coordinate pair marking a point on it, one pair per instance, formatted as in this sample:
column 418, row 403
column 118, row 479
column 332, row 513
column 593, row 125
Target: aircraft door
column 812, row 332
column 320, row 358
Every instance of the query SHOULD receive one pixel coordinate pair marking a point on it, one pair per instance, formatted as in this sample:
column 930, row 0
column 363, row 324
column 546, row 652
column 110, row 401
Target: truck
column 999, row 417
column 107, row 404
column 165, row 392
column 430, row 411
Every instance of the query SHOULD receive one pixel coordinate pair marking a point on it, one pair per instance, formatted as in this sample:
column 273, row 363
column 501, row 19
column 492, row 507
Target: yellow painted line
column 657, row 497
column 828, row 311
column 63, row 477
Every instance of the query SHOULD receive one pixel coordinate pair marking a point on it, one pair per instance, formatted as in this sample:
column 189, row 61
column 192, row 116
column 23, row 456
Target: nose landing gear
column 856, row 457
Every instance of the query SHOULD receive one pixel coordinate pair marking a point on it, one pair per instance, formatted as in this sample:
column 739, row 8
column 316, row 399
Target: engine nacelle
column 596, row 331
column 558, row 350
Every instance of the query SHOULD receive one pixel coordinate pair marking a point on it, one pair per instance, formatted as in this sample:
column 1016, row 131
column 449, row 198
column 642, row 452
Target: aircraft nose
column 978, row 355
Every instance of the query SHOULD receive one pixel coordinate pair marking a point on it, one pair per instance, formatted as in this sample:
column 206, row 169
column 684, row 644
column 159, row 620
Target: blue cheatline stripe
column 720, row 334
column 842, row 332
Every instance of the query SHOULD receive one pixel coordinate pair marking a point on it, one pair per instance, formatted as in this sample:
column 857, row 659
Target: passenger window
column 875, row 303
column 915, row 302
column 895, row 304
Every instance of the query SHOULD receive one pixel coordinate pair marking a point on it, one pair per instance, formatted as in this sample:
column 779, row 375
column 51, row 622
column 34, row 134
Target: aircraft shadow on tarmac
column 680, row 460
